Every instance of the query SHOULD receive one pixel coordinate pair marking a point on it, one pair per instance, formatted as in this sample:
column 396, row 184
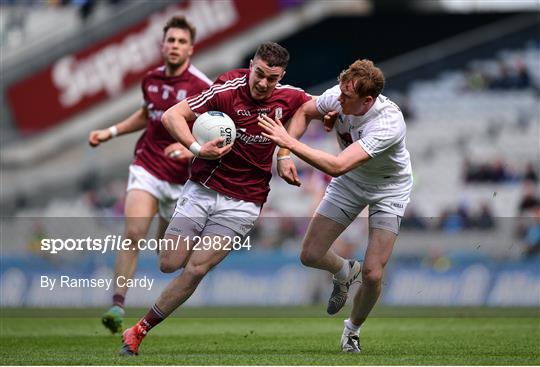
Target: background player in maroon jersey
column 161, row 166
column 228, row 185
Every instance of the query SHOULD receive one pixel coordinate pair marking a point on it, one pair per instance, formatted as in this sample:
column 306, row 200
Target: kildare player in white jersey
column 373, row 170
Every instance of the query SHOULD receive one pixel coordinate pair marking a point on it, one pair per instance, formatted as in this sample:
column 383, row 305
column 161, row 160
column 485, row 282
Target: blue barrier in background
column 276, row 278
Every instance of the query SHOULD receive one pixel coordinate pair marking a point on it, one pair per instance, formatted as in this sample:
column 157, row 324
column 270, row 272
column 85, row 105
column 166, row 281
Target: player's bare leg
column 183, row 286
column 175, row 253
column 381, row 243
column 140, row 208
column 316, row 253
column 162, row 227
column 174, row 295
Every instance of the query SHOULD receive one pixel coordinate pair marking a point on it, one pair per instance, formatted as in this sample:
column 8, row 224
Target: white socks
column 343, row 273
column 351, row 328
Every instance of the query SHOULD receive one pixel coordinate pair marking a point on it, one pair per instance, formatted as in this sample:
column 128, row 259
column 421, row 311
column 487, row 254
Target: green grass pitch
column 277, row 336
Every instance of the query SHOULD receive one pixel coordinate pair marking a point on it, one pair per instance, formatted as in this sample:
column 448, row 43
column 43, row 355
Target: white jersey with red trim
column 380, row 132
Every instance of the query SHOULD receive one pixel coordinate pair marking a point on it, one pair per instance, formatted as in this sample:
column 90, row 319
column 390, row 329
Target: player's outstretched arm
column 335, row 166
column 135, row 122
column 175, row 121
column 296, row 128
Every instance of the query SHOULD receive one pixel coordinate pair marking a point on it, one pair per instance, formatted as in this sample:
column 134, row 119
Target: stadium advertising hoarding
column 264, row 278
column 78, row 81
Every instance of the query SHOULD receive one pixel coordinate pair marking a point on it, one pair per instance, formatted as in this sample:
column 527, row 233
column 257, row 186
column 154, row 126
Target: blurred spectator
column 530, row 173
column 497, row 171
column 455, row 221
column 527, row 208
column 532, row 235
column 86, row 7
column 484, row 220
column 476, row 80
column 21, row 202
column 461, row 219
column 413, row 220
column 523, row 80
column 511, row 77
column 503, row 80
column 529, row 199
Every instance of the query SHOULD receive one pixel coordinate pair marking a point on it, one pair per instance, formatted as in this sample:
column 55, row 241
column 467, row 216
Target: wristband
column 114, row 131
column 195, row 148
column 283, row 157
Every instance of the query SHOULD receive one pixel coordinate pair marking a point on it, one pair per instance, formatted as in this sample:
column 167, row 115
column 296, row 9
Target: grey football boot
column 341, row 288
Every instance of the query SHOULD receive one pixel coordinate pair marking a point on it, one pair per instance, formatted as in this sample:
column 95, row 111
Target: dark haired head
column 273, row 54
column 180, row 21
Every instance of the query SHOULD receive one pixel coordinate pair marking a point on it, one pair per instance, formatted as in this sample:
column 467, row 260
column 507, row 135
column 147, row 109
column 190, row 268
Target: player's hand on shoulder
column 177, row 152
column 213, row 150
column 287, row 171
column 329, row 120
column 97, row 137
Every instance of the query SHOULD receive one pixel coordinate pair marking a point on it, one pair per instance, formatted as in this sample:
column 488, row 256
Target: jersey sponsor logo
column 279, row 113
column 247, row 138
column 398, row 205
column 166, row 90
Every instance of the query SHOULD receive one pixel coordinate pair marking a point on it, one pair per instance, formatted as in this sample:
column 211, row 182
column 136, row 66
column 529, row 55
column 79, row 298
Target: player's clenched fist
column 177, row 151
column 329, row 120
column 97, row 137
column 213, row 150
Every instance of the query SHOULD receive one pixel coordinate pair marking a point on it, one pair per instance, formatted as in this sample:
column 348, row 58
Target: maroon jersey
column 161, row 92
column 245, row 172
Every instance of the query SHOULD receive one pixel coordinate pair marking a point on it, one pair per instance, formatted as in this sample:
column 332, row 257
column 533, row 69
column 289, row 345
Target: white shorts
column 167, row 193
column 202, row 211
column 386, row 203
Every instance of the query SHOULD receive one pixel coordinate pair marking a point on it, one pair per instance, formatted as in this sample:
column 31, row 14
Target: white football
column 213, row 124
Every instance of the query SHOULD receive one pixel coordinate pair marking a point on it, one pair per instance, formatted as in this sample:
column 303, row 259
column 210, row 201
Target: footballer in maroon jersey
column 161, row 165
column 228, row 184
column 161, row 92
column 245, row 172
